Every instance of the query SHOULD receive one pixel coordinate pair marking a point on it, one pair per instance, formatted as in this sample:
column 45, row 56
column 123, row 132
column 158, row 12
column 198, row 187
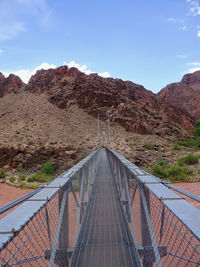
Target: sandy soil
column 9, row 193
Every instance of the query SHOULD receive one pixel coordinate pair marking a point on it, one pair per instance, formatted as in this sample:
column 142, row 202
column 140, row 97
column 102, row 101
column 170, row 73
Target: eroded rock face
column 129, row 104
column 10, row 84
column 185, row 94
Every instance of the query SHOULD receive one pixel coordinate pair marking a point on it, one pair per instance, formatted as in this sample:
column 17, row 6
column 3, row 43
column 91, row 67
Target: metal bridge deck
column 104, row 239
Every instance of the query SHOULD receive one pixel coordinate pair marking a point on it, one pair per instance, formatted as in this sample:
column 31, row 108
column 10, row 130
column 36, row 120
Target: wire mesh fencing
column 164, row 226
column 51, row 220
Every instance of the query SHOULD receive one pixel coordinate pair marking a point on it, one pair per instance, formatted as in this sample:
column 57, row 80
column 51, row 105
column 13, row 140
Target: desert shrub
column 193, row 143
column 40, row 177
column 22, row 177
column 197, row 129
column 2, row 173
column 12, row 179
column 189, row 160
column 178, row 171
column 28, row 186
column 30, row 142
column 158, row 170
column 176, row 146
column 84, row 154
column 49, row 167
column 148, row 145
column 173, row 172
column 19, row 168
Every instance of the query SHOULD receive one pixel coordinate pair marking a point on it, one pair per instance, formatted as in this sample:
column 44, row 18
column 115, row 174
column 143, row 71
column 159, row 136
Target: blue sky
column 152, row 43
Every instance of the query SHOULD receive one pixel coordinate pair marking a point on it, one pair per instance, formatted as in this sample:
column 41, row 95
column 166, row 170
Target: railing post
column 146, row 238
column 64, row 230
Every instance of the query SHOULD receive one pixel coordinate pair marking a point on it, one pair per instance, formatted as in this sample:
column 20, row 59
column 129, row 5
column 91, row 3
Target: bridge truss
column 150, row 225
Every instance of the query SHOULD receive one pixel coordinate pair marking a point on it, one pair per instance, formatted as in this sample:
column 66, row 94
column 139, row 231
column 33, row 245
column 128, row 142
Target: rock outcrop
column 10, row 84
column 129, row 104
column 184, row 94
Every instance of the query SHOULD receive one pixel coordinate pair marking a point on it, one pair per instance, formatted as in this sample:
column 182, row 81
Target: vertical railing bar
column 153, row 240
column 48, row 225
column 74, row 194
column 133, row 195
column 79, row 212
column 130, row 211
column 55, row 242
column 162, row 222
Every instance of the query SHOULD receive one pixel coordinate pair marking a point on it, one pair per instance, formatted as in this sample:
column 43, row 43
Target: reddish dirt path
column 9, row 193
column 192, row 188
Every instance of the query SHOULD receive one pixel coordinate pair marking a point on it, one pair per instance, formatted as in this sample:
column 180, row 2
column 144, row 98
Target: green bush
column 173, row 172
column 193, row 143
column 148, row 145
column 19, row 168
column 158, row 170
column 189, row 160
column 49, row 167
column 176, row 146
column 28, row 186
column 12, row 179
column 84, row 154
column 197, row 129
column 30, row 142
column 2, row 173
column 22, row 177
column 40, row 177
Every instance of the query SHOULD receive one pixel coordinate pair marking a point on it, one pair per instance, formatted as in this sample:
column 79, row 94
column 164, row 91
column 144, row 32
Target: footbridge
column 105, row 212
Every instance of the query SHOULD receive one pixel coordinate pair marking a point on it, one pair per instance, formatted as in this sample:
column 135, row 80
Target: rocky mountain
column 10, row 84
column 54, row 117
column 128, row 104
column 184, row 94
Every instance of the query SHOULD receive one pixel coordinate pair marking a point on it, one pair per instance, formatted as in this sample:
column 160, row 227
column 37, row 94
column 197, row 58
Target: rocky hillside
column 54, row 117
column 128, row 104
column 184, row 94
column 9, row 85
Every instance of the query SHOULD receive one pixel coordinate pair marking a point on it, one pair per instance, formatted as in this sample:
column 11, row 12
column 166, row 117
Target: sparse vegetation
column 176, row 171
column 2, row 173
column 40, row 177
column 84, row 154
column 22, row 177
column 196, row 132
column 19, row 168
column 148, row 145
column 30, row 142
column 189, row 160
column 193, row 143
column 12, row 179
column 49, row 167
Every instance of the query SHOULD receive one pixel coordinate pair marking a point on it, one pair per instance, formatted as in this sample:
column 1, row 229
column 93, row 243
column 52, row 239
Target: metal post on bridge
column 64, row 231
column 146, row 238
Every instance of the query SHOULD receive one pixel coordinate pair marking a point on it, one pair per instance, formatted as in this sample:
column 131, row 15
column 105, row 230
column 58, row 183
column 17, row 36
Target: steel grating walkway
column 104, row 238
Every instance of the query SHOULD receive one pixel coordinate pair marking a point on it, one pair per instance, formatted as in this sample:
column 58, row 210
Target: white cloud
column 104, row 74
column 194, row 7
column 25, row 74
column 171, row 19
column 181, row 56
column 195, row 68
column 198, row 34
column 183, row 28
column 1, row 51
column 15, row 16
column 83, row 68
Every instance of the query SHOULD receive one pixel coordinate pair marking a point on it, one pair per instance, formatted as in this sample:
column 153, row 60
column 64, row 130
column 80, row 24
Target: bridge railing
column 164, row 226
column 42, row 231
